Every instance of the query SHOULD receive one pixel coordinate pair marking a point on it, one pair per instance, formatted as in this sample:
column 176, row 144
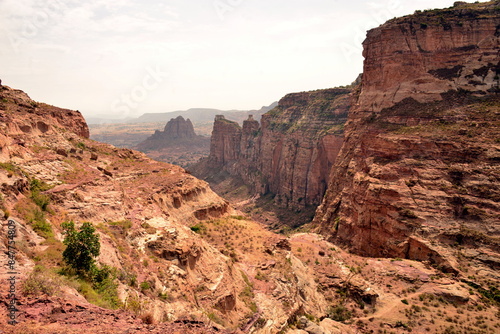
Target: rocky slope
column 145, row 213
column 177, row 143
column 417, row 176
column 289, row 154
column 183, row 261
column 416, row 180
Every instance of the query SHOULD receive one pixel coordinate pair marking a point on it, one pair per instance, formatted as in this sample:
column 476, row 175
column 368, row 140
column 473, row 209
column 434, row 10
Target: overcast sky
column 122, row 58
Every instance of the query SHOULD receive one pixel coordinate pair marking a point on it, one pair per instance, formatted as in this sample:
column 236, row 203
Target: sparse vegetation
column 42, row 281
column 9, row 167
column 198, row 228
column 339, row 313
column 40, row 199
column 144, row 286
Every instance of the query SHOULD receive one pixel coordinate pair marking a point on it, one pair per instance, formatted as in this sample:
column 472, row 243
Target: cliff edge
column 417, row 176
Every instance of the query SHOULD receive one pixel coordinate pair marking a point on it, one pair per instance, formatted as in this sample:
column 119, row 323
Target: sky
column 123, row 58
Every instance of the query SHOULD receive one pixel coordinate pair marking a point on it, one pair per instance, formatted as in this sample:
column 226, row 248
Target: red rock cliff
column 416, row 173
column 426, row 54
column 290, row 154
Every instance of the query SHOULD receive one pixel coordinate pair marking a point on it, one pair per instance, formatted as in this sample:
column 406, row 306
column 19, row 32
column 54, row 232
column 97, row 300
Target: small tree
column 81, row 246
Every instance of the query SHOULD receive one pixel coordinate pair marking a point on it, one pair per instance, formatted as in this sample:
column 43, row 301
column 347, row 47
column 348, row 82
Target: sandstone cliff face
column 414, row 173
column 429, row 53
column 225, row 141
column 290, row 154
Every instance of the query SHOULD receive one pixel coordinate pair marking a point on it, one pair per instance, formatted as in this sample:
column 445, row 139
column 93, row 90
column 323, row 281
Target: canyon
column 290, row 153
column 400, row 171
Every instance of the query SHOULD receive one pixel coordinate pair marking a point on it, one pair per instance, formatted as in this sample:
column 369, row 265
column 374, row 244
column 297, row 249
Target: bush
column 41, row 281
column 41, row 200
column 34, row 216
column 145, row 286
column 339, row 313
column 198, row 228
column 82, row 247
column 9, row 167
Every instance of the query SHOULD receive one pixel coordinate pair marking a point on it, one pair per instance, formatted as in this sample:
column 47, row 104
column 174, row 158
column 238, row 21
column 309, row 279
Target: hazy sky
column 127, row 57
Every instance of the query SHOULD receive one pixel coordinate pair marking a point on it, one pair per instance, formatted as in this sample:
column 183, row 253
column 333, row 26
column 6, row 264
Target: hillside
column 180, row 258
column 401, row 170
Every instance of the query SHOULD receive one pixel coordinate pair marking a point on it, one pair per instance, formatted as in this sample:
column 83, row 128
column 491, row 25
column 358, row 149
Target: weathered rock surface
column 143, row 211
column 290, row 154
column 412, row 173
column 429, row 53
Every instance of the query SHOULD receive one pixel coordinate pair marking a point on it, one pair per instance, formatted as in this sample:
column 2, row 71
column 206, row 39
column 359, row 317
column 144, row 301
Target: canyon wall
column 429, row 53
column 290, row 153
column 419, row 163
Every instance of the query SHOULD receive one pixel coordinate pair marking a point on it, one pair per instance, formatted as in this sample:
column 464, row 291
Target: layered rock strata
column 419, row 161
column 290, row 153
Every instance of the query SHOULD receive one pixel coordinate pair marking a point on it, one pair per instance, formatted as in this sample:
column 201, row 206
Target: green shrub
column 36, row 188
column 81, row 246
column 42, row 228
column 198, row 228
column 145, row 286
column 9, row 167
column 339, row 313
column 215, row 318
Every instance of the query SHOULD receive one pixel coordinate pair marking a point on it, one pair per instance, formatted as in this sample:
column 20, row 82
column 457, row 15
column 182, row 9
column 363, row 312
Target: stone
column 390, row 193
column 289, row 154
column 62, row 152
column 176, row 132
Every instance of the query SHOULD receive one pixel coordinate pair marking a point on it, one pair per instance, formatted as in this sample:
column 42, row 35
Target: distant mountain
column 177, row 143
column 201, row 115
column 104, row 120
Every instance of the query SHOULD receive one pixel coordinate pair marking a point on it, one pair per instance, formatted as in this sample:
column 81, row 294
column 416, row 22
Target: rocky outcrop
column 19, row 114
column 178, row 128
column 289, row 155
column 431, row 52
column 225, row 141
column 177, row 143
column 178, row 131
column 416, row 161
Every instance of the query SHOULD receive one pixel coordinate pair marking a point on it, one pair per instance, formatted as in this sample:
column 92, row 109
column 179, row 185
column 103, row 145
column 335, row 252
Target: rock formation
column 146, row 214
column 290, row 154
column 429, row 53
column 177, row 143
column 415, row 179
column 177, row 131
column 417, row 162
